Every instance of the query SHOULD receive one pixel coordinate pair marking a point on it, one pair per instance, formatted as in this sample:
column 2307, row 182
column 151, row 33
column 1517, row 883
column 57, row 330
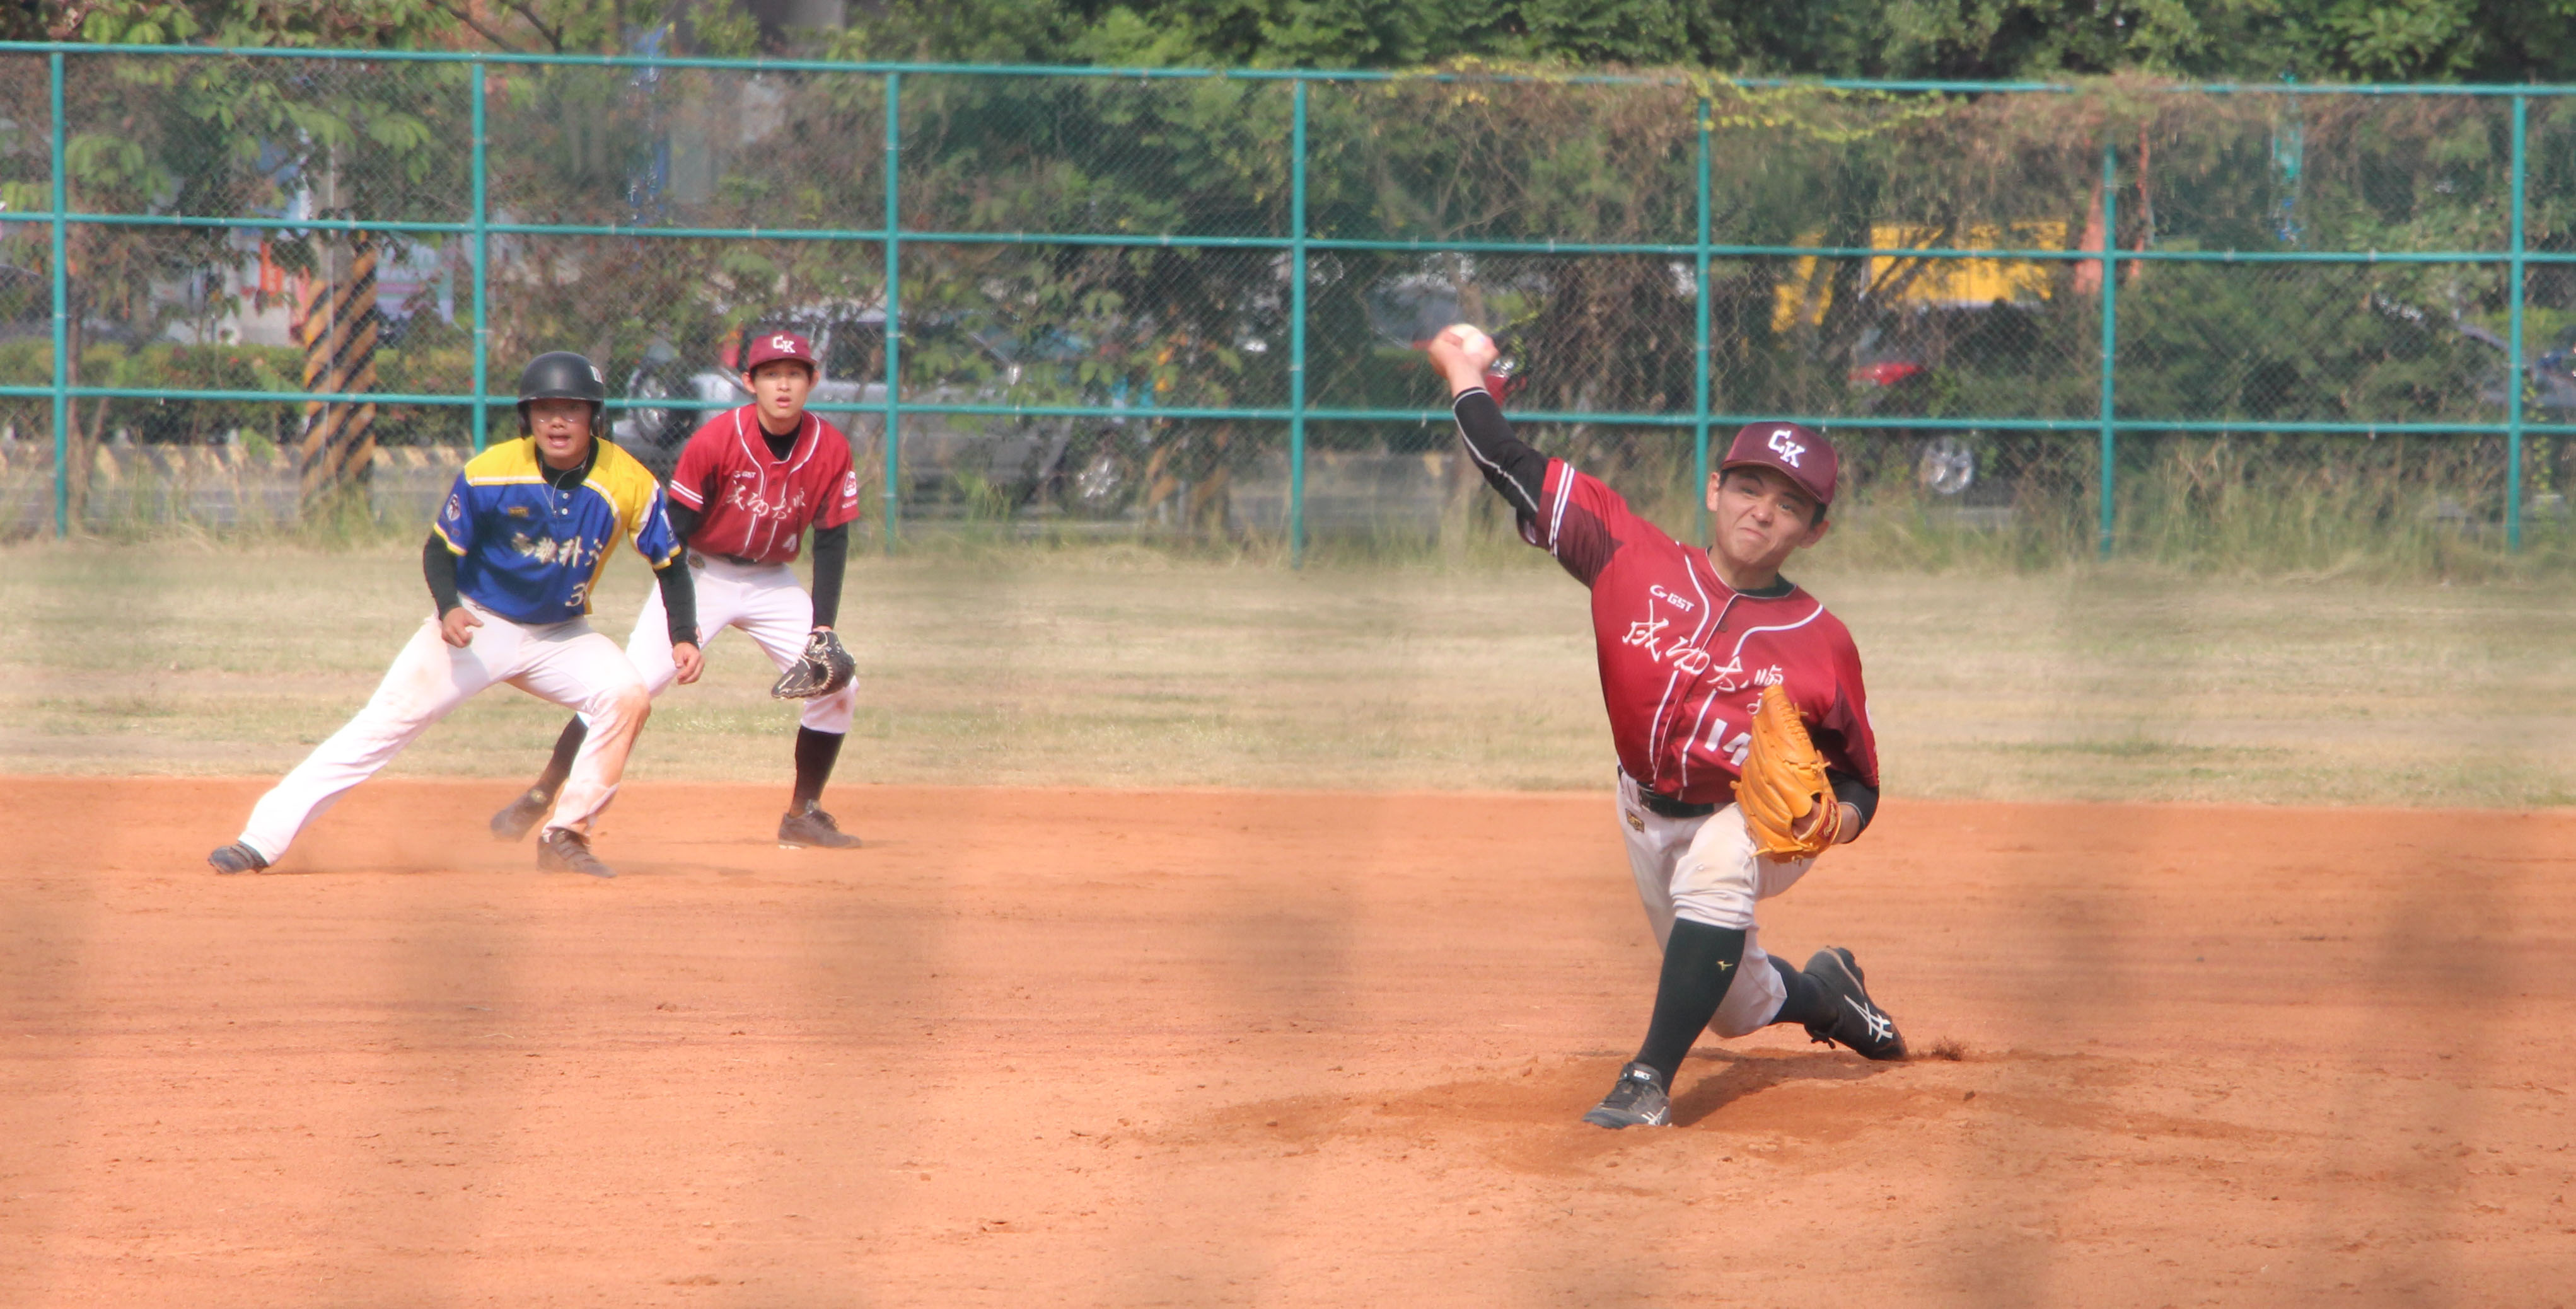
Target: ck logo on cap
column 781, row 343
column 1787, row 449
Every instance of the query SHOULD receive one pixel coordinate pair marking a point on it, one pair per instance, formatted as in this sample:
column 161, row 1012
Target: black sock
column 1807, row 1003
column 560, row 767
column 1699, row 962
column 815, row 754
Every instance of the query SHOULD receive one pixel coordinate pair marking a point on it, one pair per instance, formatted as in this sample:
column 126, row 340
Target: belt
column 1664, row 806
column 698, row 558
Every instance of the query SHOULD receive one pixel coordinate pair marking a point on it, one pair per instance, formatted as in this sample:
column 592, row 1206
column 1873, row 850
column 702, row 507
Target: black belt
column 1664, row 806
column 699, row 557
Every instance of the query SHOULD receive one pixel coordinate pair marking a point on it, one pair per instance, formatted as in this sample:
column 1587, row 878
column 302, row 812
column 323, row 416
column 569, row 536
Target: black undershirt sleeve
column 1860, row 795
column 831, row 561
column 679, row 599
column 438, row 565
column 684, row 521
column 1509, row 464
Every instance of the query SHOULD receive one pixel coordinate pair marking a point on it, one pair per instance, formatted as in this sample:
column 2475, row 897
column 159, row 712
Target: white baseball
column 1470, row 338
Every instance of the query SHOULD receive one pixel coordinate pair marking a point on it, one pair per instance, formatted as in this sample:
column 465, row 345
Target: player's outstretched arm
column 831, row 564
column 1461, row 353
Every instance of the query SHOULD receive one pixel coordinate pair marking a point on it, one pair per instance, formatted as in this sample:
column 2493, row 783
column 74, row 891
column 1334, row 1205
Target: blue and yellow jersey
column 530, row 552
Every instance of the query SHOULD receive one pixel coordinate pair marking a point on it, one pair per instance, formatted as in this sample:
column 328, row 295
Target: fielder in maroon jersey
column 750, row 482
column 1686, row 639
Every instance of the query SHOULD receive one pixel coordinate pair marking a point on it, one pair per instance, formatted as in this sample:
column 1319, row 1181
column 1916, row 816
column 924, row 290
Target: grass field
column 1122, row 667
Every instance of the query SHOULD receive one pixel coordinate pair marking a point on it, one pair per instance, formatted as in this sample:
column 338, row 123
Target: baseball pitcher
column 510, row 562
column 1737, row 711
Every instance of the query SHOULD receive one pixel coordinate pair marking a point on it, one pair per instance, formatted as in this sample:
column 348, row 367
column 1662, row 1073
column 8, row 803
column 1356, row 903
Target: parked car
column 1091, row 467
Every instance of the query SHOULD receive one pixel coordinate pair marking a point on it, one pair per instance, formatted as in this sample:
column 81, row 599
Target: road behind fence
column 1187, row 303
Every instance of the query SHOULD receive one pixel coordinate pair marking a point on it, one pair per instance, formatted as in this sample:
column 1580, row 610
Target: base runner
column 1692, row 644
column 748, row 485
column 511, row 562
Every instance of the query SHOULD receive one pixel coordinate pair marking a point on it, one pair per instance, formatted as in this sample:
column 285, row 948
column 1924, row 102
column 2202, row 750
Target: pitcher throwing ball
column 1692, row 644
column 511, row 561
column 748, row 485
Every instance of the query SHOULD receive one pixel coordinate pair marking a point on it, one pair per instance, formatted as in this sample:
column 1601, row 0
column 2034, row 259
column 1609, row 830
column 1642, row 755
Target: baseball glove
column 1782, row 787
column 824, row 668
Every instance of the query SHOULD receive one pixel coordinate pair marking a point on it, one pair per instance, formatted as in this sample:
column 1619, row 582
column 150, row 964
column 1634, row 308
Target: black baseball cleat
column 566, row 851
column 1858, row 1024
column 519, row 815
column 1638, row 1100
column 809, row 825
column 236, row 858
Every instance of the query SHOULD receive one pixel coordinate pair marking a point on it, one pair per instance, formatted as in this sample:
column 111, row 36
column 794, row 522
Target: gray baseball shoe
column 809, row 825
column 521, row 814
column 566, row 851
column 236, row 858
column 1858, row 1024
column 1636, row 1100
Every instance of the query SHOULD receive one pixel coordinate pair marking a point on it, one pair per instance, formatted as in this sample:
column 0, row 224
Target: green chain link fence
column 1188, row 302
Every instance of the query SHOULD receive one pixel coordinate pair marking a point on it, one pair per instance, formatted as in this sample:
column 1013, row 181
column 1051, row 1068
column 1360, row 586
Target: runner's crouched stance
column 748, row 485
column 1688, row 640
column 511, row 562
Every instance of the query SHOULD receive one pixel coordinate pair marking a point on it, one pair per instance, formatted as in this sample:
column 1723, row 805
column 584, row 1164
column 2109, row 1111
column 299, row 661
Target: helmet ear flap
column 527, row 426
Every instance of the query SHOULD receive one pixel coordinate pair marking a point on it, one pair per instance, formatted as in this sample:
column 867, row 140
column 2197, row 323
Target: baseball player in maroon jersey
column 1686, row 639
column 748, row 485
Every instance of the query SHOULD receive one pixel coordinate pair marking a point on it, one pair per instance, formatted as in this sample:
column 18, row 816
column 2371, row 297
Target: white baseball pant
column 1707, row 870
column 566, row 663
column 761, row 599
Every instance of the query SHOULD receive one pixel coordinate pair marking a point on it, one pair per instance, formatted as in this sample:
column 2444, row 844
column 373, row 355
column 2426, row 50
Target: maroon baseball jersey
column 1684, row 657
column 753, row 505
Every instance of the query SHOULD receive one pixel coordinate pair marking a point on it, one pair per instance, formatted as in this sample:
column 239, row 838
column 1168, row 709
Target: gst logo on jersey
column 1669, row 598
column 850, row 485
column 1783, row 446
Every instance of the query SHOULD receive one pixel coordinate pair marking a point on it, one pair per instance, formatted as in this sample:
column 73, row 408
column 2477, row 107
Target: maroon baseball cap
column 1801, row 452
column 770, row 347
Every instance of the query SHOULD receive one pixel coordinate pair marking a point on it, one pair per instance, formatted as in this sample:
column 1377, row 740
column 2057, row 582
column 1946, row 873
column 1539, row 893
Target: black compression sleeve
column 1509, row 464
column 679, row 600
column 684, row 522
column 438, row 565
column 1860, row 795
column 831, row 560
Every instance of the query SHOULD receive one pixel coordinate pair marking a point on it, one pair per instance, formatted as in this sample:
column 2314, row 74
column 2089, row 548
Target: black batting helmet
column 563, row 375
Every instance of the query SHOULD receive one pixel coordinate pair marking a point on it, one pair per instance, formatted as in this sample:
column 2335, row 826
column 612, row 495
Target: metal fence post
column 2513, row 337
column 62, row 325
column 482, row 260
column 893, row 307
column 1700, row 368
column 1297, row 327
column 2110, row 341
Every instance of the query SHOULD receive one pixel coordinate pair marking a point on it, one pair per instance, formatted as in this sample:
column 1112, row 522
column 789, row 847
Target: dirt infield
column 1175, row 1048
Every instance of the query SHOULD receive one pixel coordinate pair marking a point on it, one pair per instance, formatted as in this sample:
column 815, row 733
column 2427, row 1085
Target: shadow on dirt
column 1745, row 1075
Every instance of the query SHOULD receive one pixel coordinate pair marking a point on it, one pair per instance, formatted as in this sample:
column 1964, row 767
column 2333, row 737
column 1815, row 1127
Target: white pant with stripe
column 1707, row 870
column 566, row 663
